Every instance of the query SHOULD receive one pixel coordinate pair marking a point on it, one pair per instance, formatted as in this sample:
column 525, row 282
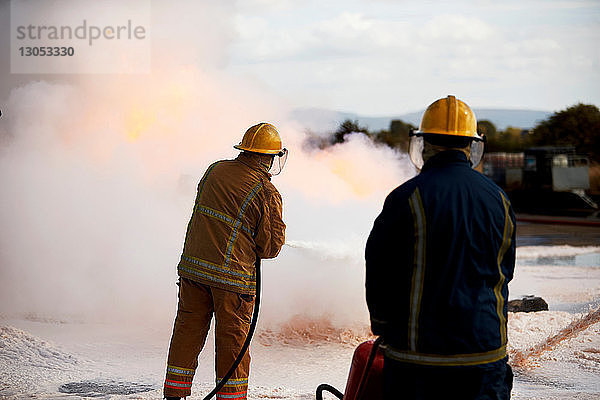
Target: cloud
column 355, row 58
column 452, row 27
column 344, row 35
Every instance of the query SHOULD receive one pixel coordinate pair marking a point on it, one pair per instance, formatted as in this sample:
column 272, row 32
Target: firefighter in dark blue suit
column 438, row 262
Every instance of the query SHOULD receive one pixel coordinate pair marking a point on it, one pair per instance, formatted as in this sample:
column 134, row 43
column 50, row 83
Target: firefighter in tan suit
column 237, row 217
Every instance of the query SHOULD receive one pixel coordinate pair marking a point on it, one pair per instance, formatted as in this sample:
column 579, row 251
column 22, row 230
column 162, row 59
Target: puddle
column 579, row 260
column 103, row 388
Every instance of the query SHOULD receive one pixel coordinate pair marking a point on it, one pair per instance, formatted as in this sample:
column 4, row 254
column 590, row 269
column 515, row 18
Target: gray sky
column 384, row 57
column 394, row 56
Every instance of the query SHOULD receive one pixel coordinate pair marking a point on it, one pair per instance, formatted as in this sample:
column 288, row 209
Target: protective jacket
column 438, row 261
column 237, row 216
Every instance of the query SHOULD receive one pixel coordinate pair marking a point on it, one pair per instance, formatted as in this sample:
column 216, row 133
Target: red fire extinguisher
column 365, row 380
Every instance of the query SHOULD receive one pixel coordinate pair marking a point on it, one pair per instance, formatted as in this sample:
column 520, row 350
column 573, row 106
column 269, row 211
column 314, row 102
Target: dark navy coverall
column 438, row 261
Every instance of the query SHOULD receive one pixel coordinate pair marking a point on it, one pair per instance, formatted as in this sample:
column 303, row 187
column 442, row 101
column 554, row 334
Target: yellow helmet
column 449, row 116
column 454, row 122
column 261, row 138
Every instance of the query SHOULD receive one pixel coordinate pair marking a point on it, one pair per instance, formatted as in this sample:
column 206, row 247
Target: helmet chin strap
column 271, row 163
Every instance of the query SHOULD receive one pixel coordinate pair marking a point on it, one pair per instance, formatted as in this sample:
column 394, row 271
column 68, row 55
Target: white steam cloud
column 98, row 181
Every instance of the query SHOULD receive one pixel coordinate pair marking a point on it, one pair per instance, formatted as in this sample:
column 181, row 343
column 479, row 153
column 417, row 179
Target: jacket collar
column 255, row 161
column 446, row 157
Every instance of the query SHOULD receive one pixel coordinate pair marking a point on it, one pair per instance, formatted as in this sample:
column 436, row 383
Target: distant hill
column 321, row 120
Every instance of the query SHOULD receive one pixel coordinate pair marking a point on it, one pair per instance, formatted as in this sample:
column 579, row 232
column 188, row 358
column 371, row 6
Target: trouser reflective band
column 234, row 389
column 446, row 359
column 234, row 382
column 177, row 384
column 179, row 379
column 180, row 371
column 238, row 395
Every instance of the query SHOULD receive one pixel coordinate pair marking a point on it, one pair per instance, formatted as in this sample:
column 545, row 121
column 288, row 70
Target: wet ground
column 533, row 234
column 103, row 388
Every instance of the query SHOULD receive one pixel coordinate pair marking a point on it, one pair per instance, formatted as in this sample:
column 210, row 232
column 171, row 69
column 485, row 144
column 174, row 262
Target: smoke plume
column 99, row 174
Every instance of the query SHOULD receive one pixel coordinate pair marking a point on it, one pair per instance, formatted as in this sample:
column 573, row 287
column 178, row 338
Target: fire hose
column 246, row 344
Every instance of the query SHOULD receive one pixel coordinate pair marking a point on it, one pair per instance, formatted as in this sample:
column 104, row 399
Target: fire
column 163, row 109
column 137, row 121
column 351, row 173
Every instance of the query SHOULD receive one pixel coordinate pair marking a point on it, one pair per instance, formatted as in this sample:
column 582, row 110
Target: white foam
column 351, row 249
column 27, row 362
column 20, row 347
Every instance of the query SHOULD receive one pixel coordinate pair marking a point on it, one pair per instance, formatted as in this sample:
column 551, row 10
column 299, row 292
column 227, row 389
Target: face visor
column 278, row 162
column 417, row 145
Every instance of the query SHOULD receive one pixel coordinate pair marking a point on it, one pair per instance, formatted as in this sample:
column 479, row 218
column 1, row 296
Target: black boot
column 172, row 398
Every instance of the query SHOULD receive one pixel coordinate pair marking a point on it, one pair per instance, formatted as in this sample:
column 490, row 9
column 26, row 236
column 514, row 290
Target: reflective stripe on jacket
column 439, row 259
column 237, row 216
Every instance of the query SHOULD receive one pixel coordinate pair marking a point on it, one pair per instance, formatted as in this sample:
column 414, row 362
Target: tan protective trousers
column 233, row 314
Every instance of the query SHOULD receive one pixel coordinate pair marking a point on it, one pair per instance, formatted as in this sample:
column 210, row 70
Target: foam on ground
column 528, row 252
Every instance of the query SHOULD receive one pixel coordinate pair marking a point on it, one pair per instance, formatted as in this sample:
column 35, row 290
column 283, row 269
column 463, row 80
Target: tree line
column 578, row 126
